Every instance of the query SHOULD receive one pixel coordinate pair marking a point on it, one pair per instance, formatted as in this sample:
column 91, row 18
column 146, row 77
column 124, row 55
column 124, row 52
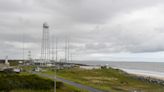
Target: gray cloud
column 93, row 26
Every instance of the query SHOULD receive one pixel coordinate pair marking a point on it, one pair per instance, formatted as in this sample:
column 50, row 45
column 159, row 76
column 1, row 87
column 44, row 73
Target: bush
column 5, row 85
column 9, row 82
column 59, row 84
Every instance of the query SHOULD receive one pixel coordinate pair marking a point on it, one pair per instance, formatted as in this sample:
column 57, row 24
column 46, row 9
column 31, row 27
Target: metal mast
column 29, row 55
column 55, row 64
column 56, row 49
column 67, row 50
column 45, row 49
column 52, row 48
column 23, row 47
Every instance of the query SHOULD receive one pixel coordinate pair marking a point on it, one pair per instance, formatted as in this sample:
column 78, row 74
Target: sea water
column 155, row 69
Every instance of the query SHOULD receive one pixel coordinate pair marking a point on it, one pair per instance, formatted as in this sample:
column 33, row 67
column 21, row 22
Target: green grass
column 112, row 80
column 10, row 81
column 73, row 89
column 28, row 90
column 69, row 88
column 64, row 88
column 26, row 82
column 27, row 68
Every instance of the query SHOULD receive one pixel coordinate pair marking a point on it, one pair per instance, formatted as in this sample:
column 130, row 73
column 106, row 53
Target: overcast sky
column 124, row 30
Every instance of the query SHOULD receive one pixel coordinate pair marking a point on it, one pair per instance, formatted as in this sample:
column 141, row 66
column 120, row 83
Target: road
column 90, row 89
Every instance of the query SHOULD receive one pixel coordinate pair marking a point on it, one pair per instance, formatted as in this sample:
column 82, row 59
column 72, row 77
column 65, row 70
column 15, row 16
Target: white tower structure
column 45, row 48
column 6, row 61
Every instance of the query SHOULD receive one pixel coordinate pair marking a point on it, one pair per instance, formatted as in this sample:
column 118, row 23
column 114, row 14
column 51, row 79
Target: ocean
column 155, row 69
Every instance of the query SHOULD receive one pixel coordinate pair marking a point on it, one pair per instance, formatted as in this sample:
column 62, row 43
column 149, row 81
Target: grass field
column 64, row 88
column 112, row 80
column 26, row 82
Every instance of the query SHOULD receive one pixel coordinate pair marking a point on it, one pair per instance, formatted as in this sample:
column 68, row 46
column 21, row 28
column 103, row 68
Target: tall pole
column 71, row 57
column 29, row 56
column 68, row 50
column 23, row 47
column 55, row 64
column 52, row 48
column 56, row 49
column 65, row 49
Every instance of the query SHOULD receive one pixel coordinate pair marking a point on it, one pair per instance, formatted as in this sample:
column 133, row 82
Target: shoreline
column 140, row 73
column 148, row 76
column 143, row 73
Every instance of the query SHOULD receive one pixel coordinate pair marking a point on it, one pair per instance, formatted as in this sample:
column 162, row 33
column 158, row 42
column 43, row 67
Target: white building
column 6, row 61
column 90, row 67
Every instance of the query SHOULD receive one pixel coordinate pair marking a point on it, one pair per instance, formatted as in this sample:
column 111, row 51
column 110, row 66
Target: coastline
column 149, row 76
column 143, row 73
column 139, row 72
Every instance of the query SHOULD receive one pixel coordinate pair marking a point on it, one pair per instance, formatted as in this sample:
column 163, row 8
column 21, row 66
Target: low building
column 4, row 67
column 37, row 69
column 90, row 67
column 16, row 70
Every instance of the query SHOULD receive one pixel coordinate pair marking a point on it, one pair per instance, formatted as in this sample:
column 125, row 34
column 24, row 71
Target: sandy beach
column 151, row 74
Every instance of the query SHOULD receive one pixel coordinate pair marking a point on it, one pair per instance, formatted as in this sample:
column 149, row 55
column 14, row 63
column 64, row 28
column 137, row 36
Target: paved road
column 90, row 89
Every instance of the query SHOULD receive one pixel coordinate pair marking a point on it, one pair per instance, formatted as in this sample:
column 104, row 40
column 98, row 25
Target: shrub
column 59, row 84
column 15, row 81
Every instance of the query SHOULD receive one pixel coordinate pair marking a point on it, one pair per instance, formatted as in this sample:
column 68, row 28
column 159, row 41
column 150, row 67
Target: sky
column 110, row 30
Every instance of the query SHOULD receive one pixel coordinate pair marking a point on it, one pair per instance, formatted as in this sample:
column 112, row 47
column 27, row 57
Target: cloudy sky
column 123, row 30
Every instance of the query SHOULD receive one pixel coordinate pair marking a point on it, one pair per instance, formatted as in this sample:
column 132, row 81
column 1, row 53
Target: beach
column 156, row 75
